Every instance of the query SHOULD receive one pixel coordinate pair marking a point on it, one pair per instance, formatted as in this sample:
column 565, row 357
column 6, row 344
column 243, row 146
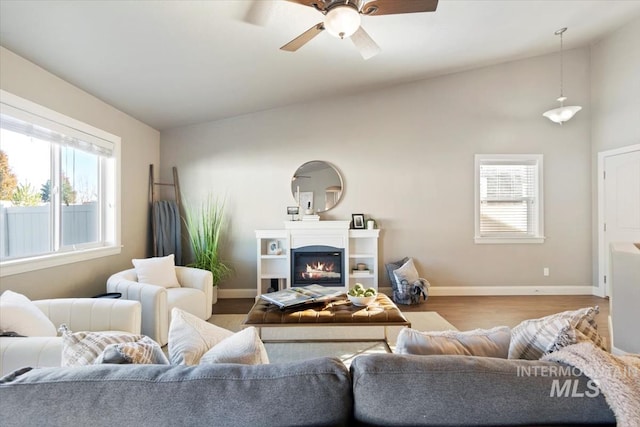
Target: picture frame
column 273, row 247
column 358, row 221
column 306, row 200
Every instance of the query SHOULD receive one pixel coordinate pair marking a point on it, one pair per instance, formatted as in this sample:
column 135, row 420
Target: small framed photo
column 358, row 220
column 273, row 247
column 293, row 210
column 306, row 200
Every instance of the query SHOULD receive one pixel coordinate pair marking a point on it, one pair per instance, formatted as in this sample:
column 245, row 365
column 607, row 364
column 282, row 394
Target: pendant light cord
column 560, row 33
column 561, row 64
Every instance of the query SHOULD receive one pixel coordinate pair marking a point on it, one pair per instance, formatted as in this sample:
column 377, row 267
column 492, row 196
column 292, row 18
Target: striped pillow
column 83, row 348
column 143, row 352
column 533, row 338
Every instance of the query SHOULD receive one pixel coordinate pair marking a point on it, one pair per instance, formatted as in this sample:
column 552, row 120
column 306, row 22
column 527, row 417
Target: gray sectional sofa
column 379, row 390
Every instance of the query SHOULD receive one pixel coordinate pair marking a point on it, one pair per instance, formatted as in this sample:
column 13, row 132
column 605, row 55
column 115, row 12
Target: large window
column 508, row 202
column 58, row 188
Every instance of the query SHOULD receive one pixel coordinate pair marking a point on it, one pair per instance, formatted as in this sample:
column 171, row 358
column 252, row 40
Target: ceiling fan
column 342, row 20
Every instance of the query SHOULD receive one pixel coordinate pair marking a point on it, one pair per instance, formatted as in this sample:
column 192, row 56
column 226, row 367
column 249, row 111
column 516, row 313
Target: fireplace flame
column 319, row 266
column 319, row 270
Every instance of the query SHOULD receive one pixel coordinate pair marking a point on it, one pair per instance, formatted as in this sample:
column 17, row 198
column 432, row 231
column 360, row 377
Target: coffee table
column 332, row 321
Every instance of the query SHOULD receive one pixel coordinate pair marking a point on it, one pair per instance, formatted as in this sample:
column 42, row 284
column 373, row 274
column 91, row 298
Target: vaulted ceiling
column 172, row 63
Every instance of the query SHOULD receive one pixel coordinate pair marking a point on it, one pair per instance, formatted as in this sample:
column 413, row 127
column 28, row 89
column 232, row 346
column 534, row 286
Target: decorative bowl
column 361, row 301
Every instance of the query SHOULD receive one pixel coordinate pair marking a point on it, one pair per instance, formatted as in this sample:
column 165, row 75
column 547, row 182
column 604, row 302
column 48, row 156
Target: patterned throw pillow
column 243, row 347
column 479, row 342
column 533, row 338
column 83, row 348
column 143, row 352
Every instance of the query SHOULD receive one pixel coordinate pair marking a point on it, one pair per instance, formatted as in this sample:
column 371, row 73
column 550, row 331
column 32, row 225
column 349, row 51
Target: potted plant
column 205, row 226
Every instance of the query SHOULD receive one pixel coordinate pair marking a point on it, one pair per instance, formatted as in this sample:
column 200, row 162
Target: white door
column 621, row 202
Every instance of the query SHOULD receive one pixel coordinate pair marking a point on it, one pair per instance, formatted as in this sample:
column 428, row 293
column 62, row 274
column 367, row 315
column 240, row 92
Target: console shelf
column 274, row 250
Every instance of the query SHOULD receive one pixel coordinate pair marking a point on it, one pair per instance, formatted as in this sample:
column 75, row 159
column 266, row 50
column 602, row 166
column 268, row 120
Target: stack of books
column 360, row 272
column 311, row 217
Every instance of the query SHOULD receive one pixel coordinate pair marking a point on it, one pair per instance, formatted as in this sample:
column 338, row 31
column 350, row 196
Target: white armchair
column 195, row 296
column 79, row 314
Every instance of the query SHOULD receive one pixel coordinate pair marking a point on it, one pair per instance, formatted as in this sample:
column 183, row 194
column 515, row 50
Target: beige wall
column 615, row 102
column 406, row 154
column 615, row 89
column 140, row 147
column 407, row 157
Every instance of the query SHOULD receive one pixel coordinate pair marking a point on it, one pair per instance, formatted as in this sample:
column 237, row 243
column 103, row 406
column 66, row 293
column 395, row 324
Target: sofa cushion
column 479, row 342
column 533, row 338
column 159, row 271
column 409, row 390
column 190, row 300
column 18, row 314
column 244, row 347
column 314, row 392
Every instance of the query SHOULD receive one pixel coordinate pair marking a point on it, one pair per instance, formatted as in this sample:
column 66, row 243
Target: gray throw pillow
column 394, row 266
column 407, row 273
column 478, row 342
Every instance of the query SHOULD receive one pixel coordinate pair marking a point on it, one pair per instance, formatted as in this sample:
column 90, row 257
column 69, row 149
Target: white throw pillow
column 191, row 337
column 18, row 314
column 407, row 272
column 478, row 342
column 243, row 347
column 159, row 271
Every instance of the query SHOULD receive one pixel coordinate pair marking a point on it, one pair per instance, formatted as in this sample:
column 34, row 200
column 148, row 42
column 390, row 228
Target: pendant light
column 561, row 114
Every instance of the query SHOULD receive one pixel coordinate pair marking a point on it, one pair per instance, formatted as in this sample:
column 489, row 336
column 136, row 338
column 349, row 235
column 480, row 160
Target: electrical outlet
column 545, row 271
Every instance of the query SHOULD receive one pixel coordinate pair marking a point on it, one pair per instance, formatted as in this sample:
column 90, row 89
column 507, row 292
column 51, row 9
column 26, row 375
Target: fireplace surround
column 317, row 264
column 328, row 238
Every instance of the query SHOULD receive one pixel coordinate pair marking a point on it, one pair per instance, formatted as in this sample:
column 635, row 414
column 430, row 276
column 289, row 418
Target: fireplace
column 322, row 265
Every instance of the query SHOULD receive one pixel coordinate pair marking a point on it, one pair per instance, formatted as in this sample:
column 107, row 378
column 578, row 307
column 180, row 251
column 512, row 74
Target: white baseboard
column 236, row 293
column 509, row 290
column 458, row 291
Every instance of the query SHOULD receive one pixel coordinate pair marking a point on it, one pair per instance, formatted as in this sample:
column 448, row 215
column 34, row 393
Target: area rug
column 346, row 350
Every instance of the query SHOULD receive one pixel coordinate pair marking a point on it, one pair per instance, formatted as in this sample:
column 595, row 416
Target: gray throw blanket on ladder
column 168, row 238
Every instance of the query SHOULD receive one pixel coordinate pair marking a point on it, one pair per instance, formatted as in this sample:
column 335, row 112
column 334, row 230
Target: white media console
column 274, row 251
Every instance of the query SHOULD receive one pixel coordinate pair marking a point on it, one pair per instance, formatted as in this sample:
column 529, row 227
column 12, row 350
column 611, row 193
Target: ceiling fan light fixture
column 561, row 114
column 342, row 21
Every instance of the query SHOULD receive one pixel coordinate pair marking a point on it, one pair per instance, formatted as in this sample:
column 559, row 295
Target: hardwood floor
column 467, row 313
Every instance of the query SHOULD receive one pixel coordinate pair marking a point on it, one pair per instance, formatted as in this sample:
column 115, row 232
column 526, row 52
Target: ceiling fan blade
column 259, row 12
column 365, row 44
column 303, row 38
column 391, row 7
column 316, row 4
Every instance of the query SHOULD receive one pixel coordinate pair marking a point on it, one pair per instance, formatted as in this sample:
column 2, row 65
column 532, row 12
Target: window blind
column 34, row 126
column 508, row 198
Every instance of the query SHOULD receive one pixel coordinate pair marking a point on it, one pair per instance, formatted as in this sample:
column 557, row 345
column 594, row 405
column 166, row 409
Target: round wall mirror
column 316, row 186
